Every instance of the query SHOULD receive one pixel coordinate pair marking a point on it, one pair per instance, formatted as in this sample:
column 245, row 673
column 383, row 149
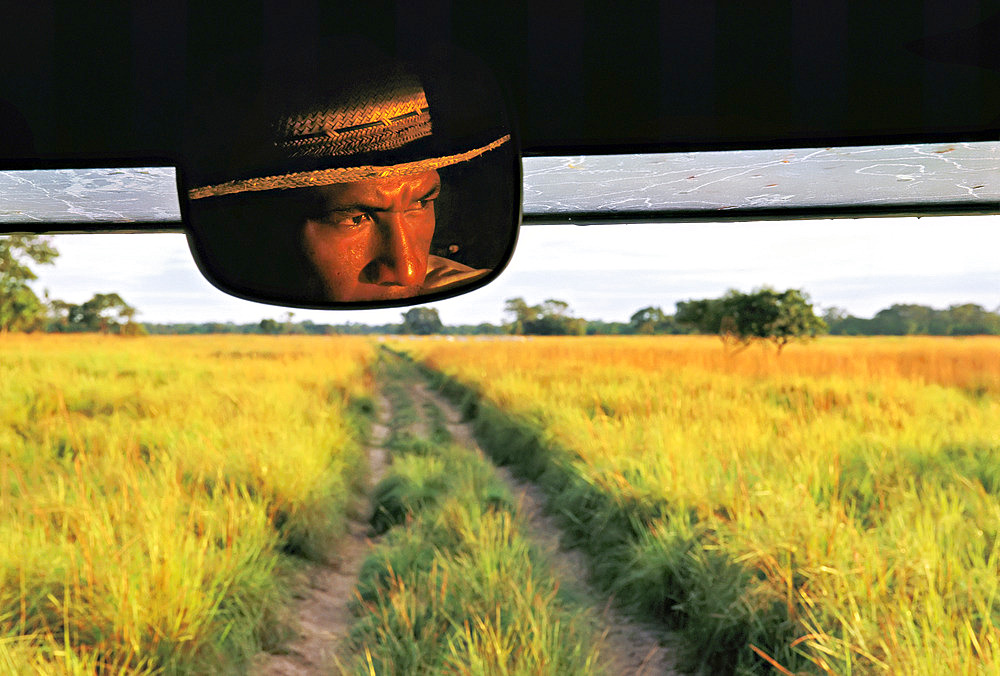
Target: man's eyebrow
column 430, row 194
column 360, row 206
column 352, row 207
column 433, row 192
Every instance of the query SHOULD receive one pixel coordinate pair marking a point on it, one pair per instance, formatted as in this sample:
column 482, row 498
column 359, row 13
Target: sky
column 603, row 271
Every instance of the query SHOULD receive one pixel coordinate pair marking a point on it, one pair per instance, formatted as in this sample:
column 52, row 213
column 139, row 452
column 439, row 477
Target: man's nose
column 397, row 261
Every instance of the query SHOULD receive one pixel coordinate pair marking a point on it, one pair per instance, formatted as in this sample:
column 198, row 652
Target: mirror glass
column 373, row 184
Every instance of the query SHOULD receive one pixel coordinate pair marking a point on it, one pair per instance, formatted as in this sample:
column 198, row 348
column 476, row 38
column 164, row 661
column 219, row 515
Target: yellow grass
column 858, row 478
column 147, row 486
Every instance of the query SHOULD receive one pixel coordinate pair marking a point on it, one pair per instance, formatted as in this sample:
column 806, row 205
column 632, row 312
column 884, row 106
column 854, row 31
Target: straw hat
column 379, row 124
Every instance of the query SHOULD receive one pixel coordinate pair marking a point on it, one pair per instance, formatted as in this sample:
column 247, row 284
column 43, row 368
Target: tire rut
column 627, row 646
column 322, row 615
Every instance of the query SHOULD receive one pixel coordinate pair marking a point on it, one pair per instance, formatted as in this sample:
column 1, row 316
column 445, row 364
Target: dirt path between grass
column 628, row 647
column 321, row 611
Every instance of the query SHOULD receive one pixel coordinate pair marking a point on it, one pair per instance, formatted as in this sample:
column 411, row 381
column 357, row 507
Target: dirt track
column 628, row 647
column 323, row 617
column 322, row 614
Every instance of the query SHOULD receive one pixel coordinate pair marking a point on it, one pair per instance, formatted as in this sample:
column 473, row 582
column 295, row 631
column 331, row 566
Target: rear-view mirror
column 367, row 183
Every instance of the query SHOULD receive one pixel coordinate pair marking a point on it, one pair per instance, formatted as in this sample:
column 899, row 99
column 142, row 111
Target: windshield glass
column 603, row 271
column 778, row 183
column 685, row 460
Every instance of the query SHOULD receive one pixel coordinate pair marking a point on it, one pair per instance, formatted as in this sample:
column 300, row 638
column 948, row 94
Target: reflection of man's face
column 373, row 237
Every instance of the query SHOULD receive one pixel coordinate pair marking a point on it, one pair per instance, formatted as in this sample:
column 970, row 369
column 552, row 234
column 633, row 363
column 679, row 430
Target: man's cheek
column 425, row 234
column 338, row 252
column 349, row 257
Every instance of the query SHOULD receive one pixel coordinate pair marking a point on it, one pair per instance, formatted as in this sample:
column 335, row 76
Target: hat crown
column 375, row 117
column 372, row 122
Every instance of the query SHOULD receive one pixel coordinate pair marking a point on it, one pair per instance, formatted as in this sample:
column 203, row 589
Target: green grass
column 455, row 586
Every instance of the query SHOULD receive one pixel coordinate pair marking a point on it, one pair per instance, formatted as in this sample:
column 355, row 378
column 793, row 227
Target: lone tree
column 269, row 326
column 520, row 314
column 652, row 320
column 551, row 318
column 20, row 308
column 647, row 321
column 104, row 312
column 422, row 321
column 765, row 314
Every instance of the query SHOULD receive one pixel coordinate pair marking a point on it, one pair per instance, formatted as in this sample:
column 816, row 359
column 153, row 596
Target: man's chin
column 376, row 292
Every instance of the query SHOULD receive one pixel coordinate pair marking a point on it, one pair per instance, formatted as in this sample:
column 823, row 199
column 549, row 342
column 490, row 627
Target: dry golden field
column 833, row 510
column 148, row 485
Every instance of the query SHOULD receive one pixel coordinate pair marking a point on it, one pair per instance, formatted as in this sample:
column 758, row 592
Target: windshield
column 605, row 272
column 524, row 501
column 717, row 185
column 733, row 406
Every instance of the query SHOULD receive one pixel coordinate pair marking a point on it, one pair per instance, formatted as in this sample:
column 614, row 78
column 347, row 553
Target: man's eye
column 425, row 203
column 346, row 219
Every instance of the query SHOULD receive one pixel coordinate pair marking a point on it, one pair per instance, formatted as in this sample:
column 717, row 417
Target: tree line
column 911, row 320
column 738, row 318
column 22, row 310
column 761, row 313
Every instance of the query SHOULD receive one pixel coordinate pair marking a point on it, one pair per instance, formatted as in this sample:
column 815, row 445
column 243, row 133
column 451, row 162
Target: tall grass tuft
column 150, row 490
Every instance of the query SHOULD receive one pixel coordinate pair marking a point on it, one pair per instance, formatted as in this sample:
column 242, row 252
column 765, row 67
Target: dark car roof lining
column 581, row 78
column 85, row 89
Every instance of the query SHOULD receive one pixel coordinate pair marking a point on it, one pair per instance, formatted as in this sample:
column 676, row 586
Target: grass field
column 456, row 586
column 148, row 487
column 834, row 510
column 831, row 510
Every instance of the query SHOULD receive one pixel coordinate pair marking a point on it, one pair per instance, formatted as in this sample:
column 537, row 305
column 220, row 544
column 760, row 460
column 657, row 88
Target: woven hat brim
column 321, row 177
